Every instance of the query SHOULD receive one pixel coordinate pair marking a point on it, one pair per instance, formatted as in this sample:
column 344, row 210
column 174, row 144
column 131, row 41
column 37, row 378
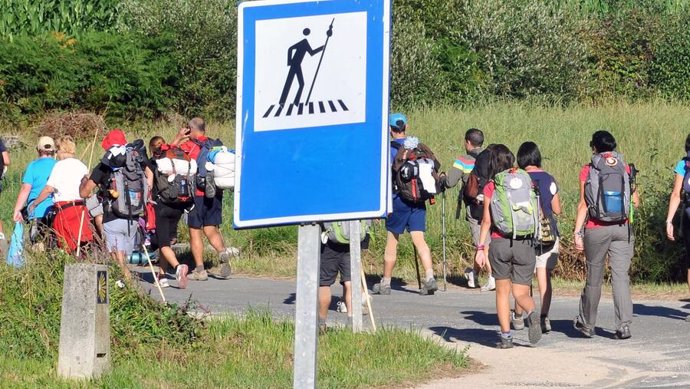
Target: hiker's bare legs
column 215, row 238
column 503, row 304
column 422, row 249
column 119, row 258
column 390, row 255
column 196, row 242
column 324, row 301
column 545, row 291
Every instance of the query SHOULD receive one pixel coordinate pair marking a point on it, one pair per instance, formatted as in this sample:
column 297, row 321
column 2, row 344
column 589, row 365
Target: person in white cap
column 33, row 181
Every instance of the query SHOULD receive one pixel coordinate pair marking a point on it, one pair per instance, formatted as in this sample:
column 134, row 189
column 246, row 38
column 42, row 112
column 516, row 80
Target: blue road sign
column 312, row 109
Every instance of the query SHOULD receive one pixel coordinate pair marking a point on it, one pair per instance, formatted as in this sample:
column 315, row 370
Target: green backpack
column 514, row 209
column 339, row 232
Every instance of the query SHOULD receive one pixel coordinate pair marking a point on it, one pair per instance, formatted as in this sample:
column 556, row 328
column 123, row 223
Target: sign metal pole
column 356, row 275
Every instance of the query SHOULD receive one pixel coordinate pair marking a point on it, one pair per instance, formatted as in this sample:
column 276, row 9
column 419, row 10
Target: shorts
column 512, row 259
column 547, row 256
column 335, row 258
column 206, row 212
column 475, row 229
column 121, row 235
column 406, row 215
column 167, row 219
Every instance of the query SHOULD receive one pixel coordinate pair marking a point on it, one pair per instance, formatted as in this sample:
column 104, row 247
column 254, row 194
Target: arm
column 6, row 158
column 556, row 204
column 86, row 187
column 580, row 218
column 480, row 257
column 453, row 176
column 149, row 177
column 315, row 51
column 21, row 200
column 673, row 204
column 181, row 136
column 47, row 190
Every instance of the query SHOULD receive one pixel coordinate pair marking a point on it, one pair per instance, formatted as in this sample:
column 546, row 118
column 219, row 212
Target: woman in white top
column 64, row 183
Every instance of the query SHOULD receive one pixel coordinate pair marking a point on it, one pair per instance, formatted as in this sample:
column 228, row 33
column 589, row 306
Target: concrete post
column 85, row 322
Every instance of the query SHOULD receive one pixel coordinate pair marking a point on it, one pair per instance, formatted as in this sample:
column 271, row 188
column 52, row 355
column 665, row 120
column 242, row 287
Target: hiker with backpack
column 680, row 198
column 547, row 240
column 415, row 181
column 510, row 216
column 602, row 229
column 123, row 181
column 68, row 205
column 173, row 190
column 34, row 180
column 4, row 163
column 473, row 179
column 206, row 215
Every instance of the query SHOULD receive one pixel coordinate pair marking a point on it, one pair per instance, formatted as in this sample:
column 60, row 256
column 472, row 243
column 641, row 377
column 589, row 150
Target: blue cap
column 397, row 121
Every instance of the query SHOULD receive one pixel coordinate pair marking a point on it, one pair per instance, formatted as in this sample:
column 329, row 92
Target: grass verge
column 256, row 352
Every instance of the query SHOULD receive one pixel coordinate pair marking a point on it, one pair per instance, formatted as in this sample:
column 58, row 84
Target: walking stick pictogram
column 325, row 45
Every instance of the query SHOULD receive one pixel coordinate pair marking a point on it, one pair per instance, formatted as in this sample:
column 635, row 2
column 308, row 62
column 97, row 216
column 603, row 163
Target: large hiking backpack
column 545, row 234
column 473, row 191
column 204, row 164
column 223, row 161
column 607, row 188
column 339, row 232
column 175, row 177
column 415, row 171
column 127, row 188
column 514, row 208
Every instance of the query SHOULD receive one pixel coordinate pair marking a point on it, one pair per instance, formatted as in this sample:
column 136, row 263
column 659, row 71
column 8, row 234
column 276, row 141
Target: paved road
column 658, row 354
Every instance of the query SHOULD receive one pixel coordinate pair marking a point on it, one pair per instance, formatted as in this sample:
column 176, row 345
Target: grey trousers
column 616, row 241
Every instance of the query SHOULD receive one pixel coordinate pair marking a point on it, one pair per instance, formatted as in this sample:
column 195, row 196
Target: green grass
column 256, row 352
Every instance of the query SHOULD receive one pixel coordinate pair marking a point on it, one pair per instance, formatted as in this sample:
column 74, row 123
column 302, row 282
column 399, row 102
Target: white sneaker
column 490, row 285
column 233, row 251
column 470, row 279
column 163, row 282
column 341, row 307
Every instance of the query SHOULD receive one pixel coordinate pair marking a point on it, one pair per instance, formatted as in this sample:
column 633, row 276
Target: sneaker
column 470, row 276
column 518, row 322
column 428, row 287
column 583, row 329
column 545, row 324
column 381, row 289
column 341, row 307
column 222, row 271
column 233, row 251
column 181, row 276
column 623, row 332
column 490, row 285
column 163, row 282
column 197, row 275
column 505, row 343
column 534, row 331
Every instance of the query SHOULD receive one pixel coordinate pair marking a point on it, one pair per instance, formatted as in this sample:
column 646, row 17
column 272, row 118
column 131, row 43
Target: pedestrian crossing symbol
column 310, row 71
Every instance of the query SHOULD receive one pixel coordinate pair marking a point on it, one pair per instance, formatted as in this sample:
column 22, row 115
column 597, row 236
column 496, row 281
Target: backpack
column 175, row 177
column 473, row 191
column 204, row 164
column 127, row 188
column 514, row 205
column 223, row 161
column 545, row 234
column 415, row 171
column 339, row 232
column 607, row 188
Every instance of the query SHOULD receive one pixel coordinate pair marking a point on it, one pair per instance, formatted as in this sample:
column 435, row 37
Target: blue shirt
column 36, row 175
column 394, row 151
column 680, row 168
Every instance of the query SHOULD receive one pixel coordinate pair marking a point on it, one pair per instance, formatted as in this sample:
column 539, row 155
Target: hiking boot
column 381, row 289
column 341, row 307
column 210, row 187
column 181, row 276
column 582, row 328
column 505, row 343
column 545, row 324
column 222, row 271
column 428, row 287
column 534, row 331
column 490, row 285
column 623, row 332
column 470, row 276
column 518, row 322
column 198, row 275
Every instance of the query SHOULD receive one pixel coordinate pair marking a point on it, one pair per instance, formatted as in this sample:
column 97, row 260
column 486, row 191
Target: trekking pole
column 153, row 271
column 83, row 211
column 416, row 266
column 328, row 35
column 365, row 288
column 443, row 239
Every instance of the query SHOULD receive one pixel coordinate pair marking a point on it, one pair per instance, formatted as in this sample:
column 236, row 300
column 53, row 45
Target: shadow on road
column 481, row 336
column 650, row 310
column 483, row 318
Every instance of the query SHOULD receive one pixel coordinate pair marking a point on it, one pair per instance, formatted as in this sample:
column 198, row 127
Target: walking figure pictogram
column 296, row 54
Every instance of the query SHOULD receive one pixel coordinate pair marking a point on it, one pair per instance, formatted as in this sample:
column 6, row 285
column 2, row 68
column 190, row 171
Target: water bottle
column 613, row 202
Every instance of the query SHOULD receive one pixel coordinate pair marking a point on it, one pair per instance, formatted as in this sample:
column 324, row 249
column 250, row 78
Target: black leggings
column 167, row 219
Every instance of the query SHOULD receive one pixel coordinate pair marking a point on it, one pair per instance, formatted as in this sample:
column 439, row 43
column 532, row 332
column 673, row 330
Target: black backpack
column 405, row 171
column 472, row 192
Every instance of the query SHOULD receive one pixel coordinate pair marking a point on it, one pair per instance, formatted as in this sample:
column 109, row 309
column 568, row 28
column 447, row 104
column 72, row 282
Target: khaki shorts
column 475, row 229
column 512, row 260
column 548, row 259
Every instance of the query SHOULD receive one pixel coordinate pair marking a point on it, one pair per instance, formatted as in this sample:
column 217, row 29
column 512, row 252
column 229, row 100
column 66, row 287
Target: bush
column 123, row 75
column 670, row 73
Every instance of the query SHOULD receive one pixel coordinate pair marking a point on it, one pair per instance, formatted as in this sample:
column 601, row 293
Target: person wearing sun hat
column 34, row 179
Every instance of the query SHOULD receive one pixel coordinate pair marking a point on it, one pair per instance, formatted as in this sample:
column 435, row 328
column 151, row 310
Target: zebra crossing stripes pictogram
column 306, row 109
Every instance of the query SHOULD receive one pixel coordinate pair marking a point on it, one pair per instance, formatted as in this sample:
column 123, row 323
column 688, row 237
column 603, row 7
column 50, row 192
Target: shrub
column 669, row 73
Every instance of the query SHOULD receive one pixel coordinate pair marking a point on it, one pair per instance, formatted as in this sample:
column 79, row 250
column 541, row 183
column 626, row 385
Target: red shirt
column 594, row 223
column 192, row 149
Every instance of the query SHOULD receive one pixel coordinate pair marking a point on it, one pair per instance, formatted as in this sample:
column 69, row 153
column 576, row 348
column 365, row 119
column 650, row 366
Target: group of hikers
column 135, row 198
column 132, row 200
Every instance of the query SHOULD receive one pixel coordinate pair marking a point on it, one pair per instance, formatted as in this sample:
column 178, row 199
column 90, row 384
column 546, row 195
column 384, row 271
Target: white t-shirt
column 66, row 178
